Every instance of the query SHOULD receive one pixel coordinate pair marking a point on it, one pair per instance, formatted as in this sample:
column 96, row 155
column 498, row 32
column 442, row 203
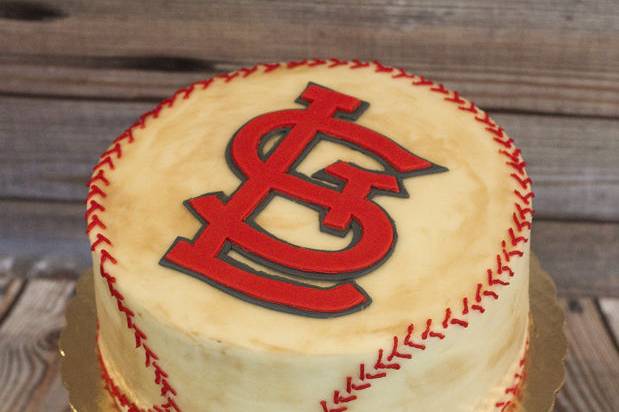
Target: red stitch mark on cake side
column 498, row 135
column 514, row 391
column 384, row 363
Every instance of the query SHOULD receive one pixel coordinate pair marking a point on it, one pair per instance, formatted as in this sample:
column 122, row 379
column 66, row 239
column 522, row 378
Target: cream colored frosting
column 223, row 354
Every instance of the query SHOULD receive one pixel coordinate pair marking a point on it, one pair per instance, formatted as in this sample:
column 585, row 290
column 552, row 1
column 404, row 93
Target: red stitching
column 494, row 281
column 439, row 88
column 99, row 176
column 379, row 364
column 455, row 98
column 337, row 62
column 465, row 305
column 524, row 183
column 515, row 389
column 114, row 150
column 269, row 67
column 293, row 64
column 397, row 354
column 382, row 69
column 497, row 134
column 514, row 156
column 429, row 332
column 359, row 64
column 127, row 134
column 422, row 82
column 248, row 71
column 408, row 340
column 525, row 197
column 95, row 191
column 449, row 320
column 100, row 240
column 486, row 120
column 470, row 108
column 317, row 62
column 523, row 211
column 403, row 73
column 107, row 160
column 95, row 222
column 516, row 239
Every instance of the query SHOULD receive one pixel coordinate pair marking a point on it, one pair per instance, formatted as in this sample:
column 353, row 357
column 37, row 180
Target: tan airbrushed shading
column 225, row 355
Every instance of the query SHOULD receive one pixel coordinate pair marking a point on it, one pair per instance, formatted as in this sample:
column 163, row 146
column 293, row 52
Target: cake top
column 320, row 207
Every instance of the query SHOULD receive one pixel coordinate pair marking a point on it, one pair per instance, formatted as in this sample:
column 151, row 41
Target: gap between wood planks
column 152, row 78
column 553, row 57
column 32, row 316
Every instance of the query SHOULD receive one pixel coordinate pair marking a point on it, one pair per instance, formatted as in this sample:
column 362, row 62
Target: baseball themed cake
column 312, row 236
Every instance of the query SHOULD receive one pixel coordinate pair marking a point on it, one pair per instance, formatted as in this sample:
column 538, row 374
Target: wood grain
column 28, row 338
column 582, row 257
column 48, row 240
column 552, row 57
column 50, row 145
column 592, row 364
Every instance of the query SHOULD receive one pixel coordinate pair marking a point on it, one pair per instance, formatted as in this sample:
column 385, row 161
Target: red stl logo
column 342, row 193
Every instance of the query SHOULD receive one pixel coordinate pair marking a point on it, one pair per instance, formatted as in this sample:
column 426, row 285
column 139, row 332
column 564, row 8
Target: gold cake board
column 545, row 362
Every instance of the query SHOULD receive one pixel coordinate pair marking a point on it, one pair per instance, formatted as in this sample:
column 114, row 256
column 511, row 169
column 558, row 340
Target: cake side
column 323, row 352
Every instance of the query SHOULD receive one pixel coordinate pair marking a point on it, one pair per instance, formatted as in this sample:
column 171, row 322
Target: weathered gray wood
column 592, row 363
column 581, row 257
column 28, row 347
column 560, row 56
column 47, row 240
column 42, row 240
column 50, row 145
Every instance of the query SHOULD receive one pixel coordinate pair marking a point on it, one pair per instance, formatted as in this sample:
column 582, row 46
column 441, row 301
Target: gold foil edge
column 545, row 361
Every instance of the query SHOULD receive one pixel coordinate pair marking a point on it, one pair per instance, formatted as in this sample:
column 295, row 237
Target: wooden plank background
column 74, row 73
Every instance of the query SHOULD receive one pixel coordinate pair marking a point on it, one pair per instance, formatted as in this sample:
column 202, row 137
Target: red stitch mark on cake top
column 382, row 69
column 106, row 163
column 485, row 120
column 403, row 73
column 98, row 177
column 455, row 98
column 247, row 71
column 293, row 64
column 439, row 88
column 522, row 212
column 513, row 156
column 524, row 183
column 205, row 83
column 316, row 62
column 469, row 108
column 359, row 64
column 337, row 62
column 525, row 197
column 269, row 67
column 94, row 223
column 422, row 81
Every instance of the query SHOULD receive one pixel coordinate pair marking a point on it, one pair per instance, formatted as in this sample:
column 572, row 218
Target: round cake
column 312, row 236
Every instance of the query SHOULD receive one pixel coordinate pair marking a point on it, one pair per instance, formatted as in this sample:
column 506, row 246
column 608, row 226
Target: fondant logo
column 342, row 193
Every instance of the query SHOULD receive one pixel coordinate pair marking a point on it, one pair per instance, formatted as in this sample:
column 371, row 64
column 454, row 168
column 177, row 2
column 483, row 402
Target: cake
column 312, row 236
